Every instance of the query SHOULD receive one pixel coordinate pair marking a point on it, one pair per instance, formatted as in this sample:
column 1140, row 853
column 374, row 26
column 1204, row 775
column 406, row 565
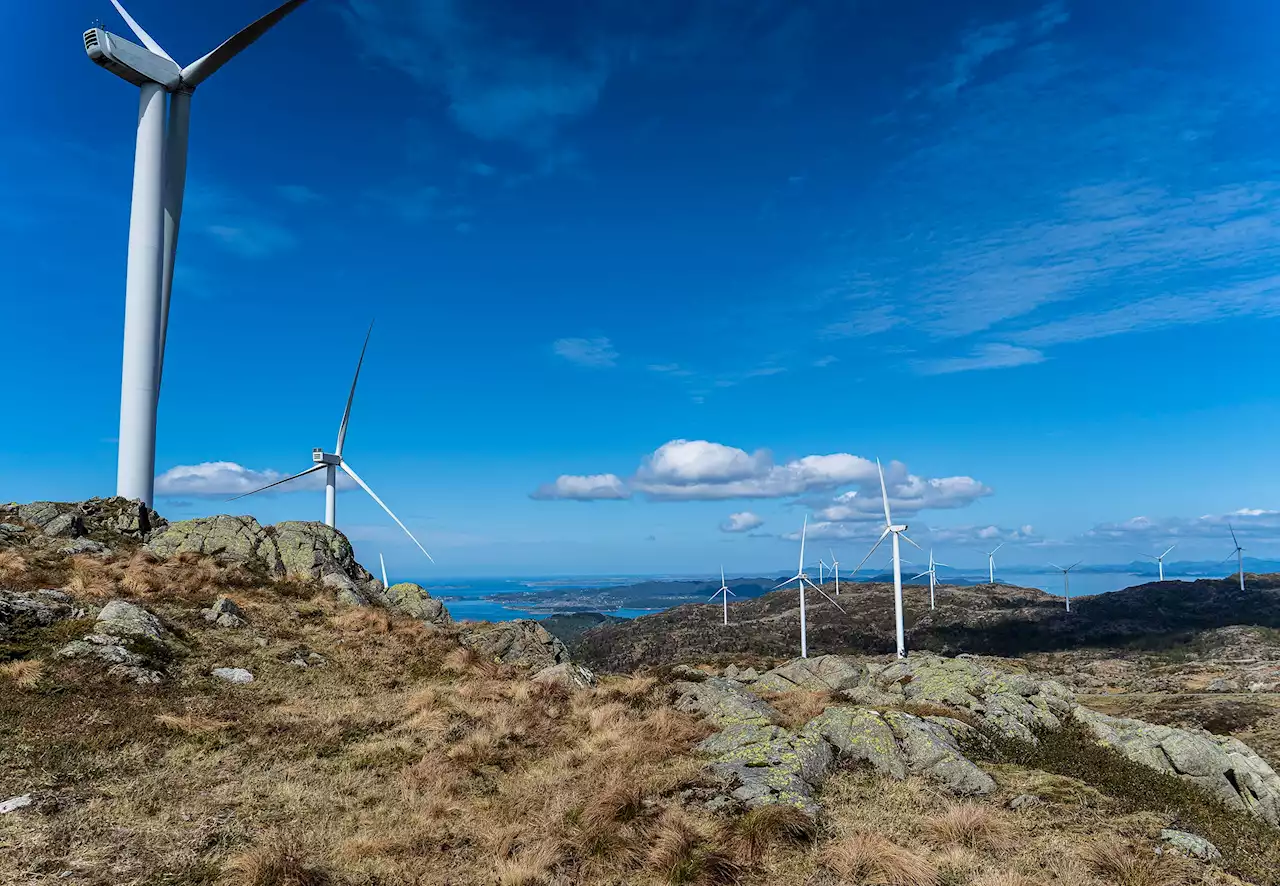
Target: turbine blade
column 907, row 538
column 365, row 486
column 712, row 598
column 721, row 576
column 1170, row 548
column 824, row 593
column 783, row 584
column 1152, row 556
column 175, row 181
column 884, row 495
column 1234, row 541
column 1074, row 565
column 872, row 551
column 346, row 413
column 803, row 531
column 310, row 470
column 914, row 577
column 998, row 547
column 948, row 565
column 1056, row 566
column 203, row 68
column 139, row 33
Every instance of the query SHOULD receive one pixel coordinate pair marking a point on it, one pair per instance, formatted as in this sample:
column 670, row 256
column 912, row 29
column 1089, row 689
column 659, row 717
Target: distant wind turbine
column 821, row 566
column 1066, row 579
column 330, row 462
column 835, row 569
column 991, row 562
column 932, row 572
column 895, row 531
column 1160, row 560
column 725, row 593
column 1238, row 553
column 802, row 579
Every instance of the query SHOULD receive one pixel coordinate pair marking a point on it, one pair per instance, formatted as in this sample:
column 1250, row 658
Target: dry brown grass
column 25, row 673
column 681, row 853
column 1121, row 863
column 192, row 723
column 799, row 707
column 13, row 567
column 972, row 825
column 865, row 859
column 91, row 578
column 527, row 867
column 764, row 826
column 274, row 863
column 1004, row 878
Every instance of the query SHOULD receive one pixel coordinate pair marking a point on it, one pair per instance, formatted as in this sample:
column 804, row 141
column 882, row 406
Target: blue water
column 466, row 597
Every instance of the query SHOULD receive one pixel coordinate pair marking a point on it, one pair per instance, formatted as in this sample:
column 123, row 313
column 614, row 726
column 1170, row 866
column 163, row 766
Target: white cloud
column 596, row 352
column 743, row 521
column 593, row 487
column 987, row 356
column 213, row 479
column 701, row 470
column 983, row 537
column 1248, row 523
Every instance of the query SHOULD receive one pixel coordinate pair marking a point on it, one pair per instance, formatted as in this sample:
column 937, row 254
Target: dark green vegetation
column 1250, row 847
column 567, row 626
column 985, row 619
column 641, row 595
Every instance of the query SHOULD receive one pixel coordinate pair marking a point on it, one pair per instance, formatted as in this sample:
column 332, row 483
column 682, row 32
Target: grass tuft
column 25, row 673
column 764, row 826
column 1123, row 864
column 866, row 859
column 680, row 854
column 274, row 864
column 971, row 825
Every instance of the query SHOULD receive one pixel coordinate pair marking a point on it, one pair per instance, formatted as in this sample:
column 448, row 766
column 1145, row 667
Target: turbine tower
column 932, row 572
column 1160, row 560
column 1066, row 579
column 723, row 592
column 991, row 562
column 802, row 579
column 835, row 569
column 1238, row 553
column 331, row 462
column 895, row 531
column 159, row 177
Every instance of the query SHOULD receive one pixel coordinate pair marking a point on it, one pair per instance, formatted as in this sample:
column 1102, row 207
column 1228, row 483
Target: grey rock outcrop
column 36, row 609
column 225, row 613
column 106, row 520
column 522, row 643
column 225, row 538
column 568, row 675
column 232, row 675
column 764, row 763
column 132, row 642
column 1225, row 767
column 824, row 673
column 414, row 601
column 1190, row 845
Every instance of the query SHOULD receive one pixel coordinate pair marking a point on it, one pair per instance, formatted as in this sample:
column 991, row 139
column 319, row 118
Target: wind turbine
column 802, row 579
column 932, row 572
column 991, row 562
column 895, row 531
column 1160, row 560
column 1238, row 553
column 1066, row 579
column 384, row 571
column 723, row 592
column 159, row 177
column 835, row 569
column 822, row 564
column 331, row 462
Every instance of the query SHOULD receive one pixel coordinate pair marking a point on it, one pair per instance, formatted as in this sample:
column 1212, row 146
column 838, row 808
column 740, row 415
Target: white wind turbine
column 822, row 564
column 1066, row 579
column 384, row 571
column 1238, row 553
column 835, row 569
column 895, row 531
column 932, row 572
column 802, row 579
column 159, row 177
column 1160, row 560
column 725, row 593
column 331, row 462
column 991, row 562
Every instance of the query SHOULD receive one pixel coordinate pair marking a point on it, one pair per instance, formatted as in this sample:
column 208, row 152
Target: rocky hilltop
column 987, row 619
column 220, row 702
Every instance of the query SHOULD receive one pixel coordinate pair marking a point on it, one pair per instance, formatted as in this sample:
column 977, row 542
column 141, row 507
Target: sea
column 468, row 599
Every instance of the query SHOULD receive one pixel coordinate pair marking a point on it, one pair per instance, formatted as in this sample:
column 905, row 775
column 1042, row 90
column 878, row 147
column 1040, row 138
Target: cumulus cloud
column 702, row 470
column 593, row 487
column 597, row 353
column 214, row 479
column 743, row 521
column 984, row 537
column 1255, row 523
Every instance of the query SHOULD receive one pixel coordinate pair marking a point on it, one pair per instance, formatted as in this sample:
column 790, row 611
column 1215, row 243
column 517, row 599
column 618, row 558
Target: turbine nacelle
column 899, row 528
column 129, row 61
column 320, row 457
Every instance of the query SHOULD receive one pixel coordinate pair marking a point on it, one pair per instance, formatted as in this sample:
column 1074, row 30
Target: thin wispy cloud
column 987, row 356
column 594, row 353
column 252, row 239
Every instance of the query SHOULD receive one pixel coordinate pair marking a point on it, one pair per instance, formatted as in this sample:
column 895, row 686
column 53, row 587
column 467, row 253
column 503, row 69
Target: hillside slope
column 995, row 620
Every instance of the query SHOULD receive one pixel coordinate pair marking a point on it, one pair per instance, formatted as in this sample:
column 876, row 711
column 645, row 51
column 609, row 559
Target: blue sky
column 1025, row 253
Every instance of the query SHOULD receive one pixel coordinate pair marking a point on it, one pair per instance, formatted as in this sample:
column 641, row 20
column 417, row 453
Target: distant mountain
column 1181, row 568
column 997, row 620
column 654, row 594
